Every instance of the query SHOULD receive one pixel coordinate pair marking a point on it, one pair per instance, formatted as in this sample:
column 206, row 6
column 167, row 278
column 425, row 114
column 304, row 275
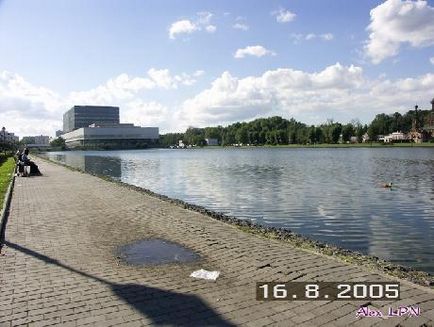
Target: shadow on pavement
column 160, row 306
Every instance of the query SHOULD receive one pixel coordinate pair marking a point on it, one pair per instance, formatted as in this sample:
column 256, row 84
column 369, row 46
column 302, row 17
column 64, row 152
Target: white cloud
column 324, row 37
column 241, row 26
column 184, row 26
column 337, row 91
column 211, row 28
column 162, row 78
column 124, row 87
column 284, row 16
column 26, row 109
column 204, row 17
column 312, row 36
column 254, row 50
column 188, row 26
column 297, row 37
column 198, row 73
column 327, row 36
column 431, row 60
column 145, row 113
column 395, row 22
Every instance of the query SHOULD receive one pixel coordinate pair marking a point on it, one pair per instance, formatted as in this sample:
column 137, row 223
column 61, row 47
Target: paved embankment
column 60, row 267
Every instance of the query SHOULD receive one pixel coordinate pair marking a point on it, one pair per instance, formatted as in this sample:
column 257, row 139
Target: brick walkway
column 60, row 267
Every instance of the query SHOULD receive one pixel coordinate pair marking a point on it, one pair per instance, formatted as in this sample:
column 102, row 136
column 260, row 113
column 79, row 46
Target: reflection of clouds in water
column 91, row 162
column 403, row 236
column 333, row 195
column 405, row 233
column 323, row 213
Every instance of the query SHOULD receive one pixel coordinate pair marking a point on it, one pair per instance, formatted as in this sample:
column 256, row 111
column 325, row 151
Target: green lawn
column 6, row 173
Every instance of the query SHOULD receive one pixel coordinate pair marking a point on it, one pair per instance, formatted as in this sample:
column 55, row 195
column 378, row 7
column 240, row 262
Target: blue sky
column 175, row 64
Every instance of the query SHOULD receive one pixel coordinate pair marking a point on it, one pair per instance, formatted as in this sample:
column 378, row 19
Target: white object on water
column 205, row 274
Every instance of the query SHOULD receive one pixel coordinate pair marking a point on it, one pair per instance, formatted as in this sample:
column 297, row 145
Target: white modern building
column 122, row 136
column 39, row 141
column 98, row 127
column 83, row 116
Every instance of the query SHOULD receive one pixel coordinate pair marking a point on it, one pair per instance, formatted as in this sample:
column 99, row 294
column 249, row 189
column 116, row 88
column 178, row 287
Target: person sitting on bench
column 34, row 170
column 19, row 163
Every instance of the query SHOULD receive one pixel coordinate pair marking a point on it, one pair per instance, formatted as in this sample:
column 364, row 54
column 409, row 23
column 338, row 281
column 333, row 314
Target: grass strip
column 6, row 174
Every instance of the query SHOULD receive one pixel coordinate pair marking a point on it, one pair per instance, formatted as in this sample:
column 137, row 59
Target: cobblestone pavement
column 61, row 268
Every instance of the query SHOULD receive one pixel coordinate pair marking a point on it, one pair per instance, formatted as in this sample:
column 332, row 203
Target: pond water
column 334, row 195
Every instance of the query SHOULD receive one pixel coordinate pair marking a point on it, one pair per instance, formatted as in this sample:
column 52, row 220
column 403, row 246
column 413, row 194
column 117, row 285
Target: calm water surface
column 332, row 195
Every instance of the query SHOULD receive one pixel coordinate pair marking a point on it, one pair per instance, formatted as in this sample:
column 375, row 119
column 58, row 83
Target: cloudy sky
column 175, row 64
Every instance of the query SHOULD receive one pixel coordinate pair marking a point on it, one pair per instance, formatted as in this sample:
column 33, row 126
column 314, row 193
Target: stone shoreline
column 371, row 262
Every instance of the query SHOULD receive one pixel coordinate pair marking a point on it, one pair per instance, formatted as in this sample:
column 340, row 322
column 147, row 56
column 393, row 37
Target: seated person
column 19, row 163
column 34, row 170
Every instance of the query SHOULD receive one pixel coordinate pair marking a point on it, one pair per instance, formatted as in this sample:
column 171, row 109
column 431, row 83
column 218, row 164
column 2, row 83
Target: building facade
column 38, row 141
column 7, row 137
column 396, row 137
column 117, row 136
column 83, row 116
column 429, row 123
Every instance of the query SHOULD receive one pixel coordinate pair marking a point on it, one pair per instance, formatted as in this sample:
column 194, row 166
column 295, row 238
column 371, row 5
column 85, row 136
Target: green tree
column 194, row 136
column 170, row 139
column 242, row 135
column 58, row 143
column 319, row 135
column 336, row 132
column 348, row 130
column 312, row 135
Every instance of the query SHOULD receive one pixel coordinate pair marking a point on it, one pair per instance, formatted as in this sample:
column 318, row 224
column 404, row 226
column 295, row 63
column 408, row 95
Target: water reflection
column 334, row 195
column 100, row 165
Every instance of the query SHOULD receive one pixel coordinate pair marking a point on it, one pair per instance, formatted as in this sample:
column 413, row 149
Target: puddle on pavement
column 155, row 252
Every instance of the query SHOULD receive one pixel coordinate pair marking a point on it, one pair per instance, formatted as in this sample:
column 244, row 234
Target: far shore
column 326, row 145
column 292, row 146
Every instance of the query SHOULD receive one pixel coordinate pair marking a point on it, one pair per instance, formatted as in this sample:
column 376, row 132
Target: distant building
column 181, row 144
column 7, row 137
column 354, row 139
column 416, row 137
column 396, row 137
column 428, row 127
column 59, row 133
column 116, row 136
column 365, row 138
column 99, row 127
column 83, row 116
column 211, row 141
column 39, row 141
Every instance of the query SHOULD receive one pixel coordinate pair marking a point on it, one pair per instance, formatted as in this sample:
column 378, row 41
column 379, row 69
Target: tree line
column 279, row 131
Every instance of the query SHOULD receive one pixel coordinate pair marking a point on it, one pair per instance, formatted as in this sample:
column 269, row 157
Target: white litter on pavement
column 205, row 274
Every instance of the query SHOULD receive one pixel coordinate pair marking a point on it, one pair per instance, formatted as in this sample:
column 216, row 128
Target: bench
column 23, row 169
